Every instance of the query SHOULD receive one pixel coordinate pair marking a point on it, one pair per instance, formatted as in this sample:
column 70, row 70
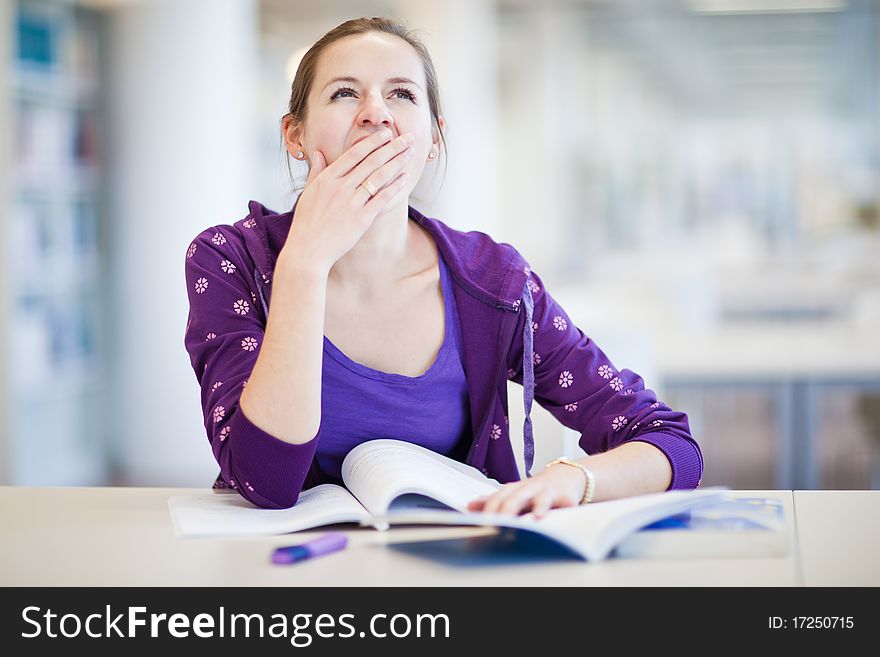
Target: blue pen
column 316, row 547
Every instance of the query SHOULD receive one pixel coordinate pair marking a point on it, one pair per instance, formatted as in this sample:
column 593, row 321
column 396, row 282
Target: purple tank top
column 359, row 403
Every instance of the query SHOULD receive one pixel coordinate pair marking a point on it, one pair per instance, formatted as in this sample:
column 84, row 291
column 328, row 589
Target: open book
column 394, row 482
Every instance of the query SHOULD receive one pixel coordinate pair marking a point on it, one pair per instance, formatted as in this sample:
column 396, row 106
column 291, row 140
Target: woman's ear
column 434, row 153
column 292, row 131
column 441, row 123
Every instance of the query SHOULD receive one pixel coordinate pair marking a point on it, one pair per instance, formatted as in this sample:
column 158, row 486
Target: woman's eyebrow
column 397, row 80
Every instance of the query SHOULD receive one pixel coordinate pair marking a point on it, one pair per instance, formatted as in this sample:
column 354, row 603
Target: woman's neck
column 379, row 257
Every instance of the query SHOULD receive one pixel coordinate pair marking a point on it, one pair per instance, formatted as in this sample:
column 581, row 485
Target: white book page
column 229, row 514
column 379, row 471
column 594, row 529
column 591, row 530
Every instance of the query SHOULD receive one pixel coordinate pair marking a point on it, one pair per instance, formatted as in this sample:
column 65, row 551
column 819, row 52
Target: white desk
column 124, row 537
column 839, row 537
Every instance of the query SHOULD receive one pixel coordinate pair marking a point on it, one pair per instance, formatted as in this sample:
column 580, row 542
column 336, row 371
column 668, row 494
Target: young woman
column 355, row 317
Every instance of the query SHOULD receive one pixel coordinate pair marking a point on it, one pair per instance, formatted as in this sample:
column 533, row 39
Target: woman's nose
column 375, row 112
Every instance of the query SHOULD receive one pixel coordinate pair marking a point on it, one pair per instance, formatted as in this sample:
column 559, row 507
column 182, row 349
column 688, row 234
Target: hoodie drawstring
column 528, row 380
column 260, row 290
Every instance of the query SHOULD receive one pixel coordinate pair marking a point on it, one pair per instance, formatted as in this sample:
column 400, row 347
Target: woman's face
column 362, row 84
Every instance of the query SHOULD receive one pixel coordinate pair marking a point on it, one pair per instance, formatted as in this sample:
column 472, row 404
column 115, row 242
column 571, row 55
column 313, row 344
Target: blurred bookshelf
column 55, row 288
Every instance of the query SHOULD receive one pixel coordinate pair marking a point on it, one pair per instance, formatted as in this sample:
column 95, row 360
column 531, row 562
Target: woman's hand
column 335, row 209
column 557, row 486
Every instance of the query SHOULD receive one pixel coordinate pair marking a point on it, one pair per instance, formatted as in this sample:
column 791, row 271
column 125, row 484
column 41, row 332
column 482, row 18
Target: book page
column 591, row 530
column 379, row 471
column 229, row 514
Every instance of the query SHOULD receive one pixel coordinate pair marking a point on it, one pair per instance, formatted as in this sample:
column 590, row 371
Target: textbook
column 391, row 482
column 741, row 527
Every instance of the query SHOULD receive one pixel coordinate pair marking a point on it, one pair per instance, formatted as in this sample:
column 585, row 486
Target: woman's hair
column 305, row 74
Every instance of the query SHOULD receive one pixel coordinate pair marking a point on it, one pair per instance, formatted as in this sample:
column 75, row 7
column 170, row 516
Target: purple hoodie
column 511, row 329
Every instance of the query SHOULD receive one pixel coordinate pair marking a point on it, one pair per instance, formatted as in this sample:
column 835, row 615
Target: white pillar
column 547, row 106
column 460, row 36
column 182, row 85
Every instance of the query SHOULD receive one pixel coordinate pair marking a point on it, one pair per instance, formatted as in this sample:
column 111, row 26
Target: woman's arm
column 283, row 394
column 636, row 443
column 224, row 337
column 633, row 468
column 261, row 378
column 580, row 386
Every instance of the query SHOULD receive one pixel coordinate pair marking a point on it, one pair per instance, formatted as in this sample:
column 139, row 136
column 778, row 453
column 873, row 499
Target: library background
column 700, row 189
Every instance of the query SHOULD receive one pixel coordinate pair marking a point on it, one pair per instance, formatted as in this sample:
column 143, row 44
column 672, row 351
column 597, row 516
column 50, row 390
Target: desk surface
column 124, row 537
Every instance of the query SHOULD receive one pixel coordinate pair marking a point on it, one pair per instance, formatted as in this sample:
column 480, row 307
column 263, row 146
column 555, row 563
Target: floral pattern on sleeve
column 583, row 389
column 223, row 335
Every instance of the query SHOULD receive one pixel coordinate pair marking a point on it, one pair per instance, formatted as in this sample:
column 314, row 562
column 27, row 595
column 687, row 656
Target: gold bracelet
column 591, row 478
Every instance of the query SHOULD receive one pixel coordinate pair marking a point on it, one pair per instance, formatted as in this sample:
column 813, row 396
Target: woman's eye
column 406, row 93
column 347, row 92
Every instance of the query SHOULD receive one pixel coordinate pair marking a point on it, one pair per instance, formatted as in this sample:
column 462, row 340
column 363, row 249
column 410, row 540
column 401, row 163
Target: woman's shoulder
column 493, row 268
column 250, row 238
column 219, row 238
column 471, row 246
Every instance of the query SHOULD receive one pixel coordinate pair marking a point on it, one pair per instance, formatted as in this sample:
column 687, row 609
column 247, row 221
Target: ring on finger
column 370, row 187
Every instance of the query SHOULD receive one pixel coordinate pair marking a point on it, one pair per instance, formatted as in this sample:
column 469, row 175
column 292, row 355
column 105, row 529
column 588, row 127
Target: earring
column 299, row 155
column 431, row 155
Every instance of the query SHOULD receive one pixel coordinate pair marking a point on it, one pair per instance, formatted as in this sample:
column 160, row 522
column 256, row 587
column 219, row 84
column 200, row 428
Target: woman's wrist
column 292, row 262
column 585, row 481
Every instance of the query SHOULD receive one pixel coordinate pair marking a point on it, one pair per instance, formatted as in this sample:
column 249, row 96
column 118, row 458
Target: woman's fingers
column 383, row 164
column 542, row 503
column 520, row 497
column 505, row 500
column 519, row 502
column 344, row 164
column 389, row 173
column 491, row 503
column 318, row 165
column 388, row 194
column 378, row 160
column 382, row 179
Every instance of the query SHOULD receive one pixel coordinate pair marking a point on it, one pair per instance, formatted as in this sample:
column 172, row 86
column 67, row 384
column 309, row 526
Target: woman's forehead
column 370, row 57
